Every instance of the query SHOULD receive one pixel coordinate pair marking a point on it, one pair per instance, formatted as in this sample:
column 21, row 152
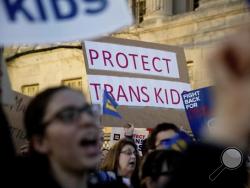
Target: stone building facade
column 196, row 25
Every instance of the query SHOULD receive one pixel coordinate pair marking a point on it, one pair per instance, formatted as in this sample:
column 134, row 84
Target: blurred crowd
column 65, row 139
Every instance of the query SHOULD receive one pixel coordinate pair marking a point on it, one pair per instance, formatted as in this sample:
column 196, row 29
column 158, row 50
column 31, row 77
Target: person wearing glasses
column 123, row 160
column 64, row 144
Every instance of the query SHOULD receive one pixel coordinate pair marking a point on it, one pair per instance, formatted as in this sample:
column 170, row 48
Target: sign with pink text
column 145, row 79
column 139, row 136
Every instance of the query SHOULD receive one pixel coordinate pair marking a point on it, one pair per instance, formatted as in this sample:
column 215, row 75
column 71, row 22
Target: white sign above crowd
column 42, row 21
column 139, row 135
column 145, row 79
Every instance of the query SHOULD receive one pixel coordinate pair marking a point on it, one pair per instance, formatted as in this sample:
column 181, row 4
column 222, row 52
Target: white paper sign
column 138, row 91
column 139, row 135
column 46, row 21
column 131, row 59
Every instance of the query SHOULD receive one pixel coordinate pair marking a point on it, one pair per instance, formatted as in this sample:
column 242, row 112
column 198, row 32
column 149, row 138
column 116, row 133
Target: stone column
column 158, row 8
column 131, row 4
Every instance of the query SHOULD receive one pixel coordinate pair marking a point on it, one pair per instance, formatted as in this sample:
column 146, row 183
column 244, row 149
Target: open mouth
column 90, row 147
column 132, row 163
column 88, row 142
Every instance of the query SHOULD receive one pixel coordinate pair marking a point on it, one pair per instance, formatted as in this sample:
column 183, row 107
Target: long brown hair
column 111, row 161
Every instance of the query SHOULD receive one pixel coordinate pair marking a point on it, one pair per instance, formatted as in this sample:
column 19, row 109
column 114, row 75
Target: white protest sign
column 131, row 59
column 139, row 135
column 47, row 21
column 116, row 134
column 138, row 91
column 145, row 79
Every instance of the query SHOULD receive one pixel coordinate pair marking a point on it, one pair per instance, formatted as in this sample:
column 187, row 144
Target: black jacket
column 199, row 162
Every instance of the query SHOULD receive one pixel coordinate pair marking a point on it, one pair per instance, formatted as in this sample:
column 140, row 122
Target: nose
column 133, row 155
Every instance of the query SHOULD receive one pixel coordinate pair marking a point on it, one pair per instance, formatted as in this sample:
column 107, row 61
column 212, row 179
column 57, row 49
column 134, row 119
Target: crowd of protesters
column 65, row 145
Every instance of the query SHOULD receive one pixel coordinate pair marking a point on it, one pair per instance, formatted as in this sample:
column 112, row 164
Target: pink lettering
column 172, row 91
column 153, row 62
column 144, row 92
column 96, row 89
column 144, row 62
column 134, row 61
column 107, row 56
column 136, row 94
column 121, row 93
column 109, row 89
column 91, row 55
column 167, row 61
column 166, row 95
column 157, row 95
column 120, row 54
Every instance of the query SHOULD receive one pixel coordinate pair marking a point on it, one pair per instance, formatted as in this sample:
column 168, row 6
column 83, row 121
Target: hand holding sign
column 129, row 130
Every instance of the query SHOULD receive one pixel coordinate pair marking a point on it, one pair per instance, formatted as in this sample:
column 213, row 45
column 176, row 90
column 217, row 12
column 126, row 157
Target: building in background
column 196, row 25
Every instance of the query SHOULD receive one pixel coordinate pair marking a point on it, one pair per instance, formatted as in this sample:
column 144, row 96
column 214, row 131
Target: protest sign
column 145, row 79
column 139, row 136
column 41, row 21
column 198, row 105
column 15, row 115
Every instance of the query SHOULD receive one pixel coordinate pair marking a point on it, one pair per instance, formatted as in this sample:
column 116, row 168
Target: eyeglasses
column 71, row 114
column 129, row 153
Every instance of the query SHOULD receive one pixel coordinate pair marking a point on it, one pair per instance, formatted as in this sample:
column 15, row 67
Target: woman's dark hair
column 111, row 162
column 159, row 128
column 152, row 165
column 33, row 119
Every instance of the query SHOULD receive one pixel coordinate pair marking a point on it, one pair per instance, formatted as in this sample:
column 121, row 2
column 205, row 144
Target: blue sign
column 198, row 105
column 13, row 8
column 48, row 21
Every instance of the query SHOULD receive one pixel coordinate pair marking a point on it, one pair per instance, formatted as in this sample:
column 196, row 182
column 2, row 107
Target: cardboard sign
column 198, row 104
column 42, row 21
column 139, row 135
column 145, row 79
column 14, row 115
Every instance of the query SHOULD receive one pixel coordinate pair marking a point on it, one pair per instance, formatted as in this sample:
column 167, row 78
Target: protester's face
column 162, row 136
column 71, row 139
column 127, row 160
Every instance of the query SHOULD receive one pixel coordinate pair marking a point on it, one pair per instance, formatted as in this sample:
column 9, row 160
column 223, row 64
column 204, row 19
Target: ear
column 40, row 144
